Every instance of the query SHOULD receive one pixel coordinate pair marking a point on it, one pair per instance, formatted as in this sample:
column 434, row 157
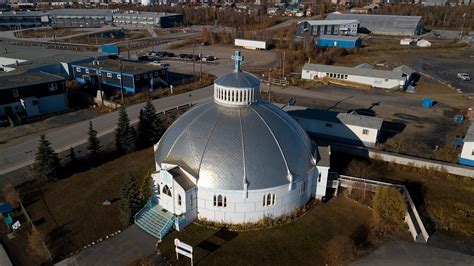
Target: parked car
column 155, row 63
column 464, row 76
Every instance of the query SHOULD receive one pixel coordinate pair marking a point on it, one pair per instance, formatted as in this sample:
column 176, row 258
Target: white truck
column 251, row 44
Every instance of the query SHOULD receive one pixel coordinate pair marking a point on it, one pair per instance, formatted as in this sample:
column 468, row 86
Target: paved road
column 16, row 157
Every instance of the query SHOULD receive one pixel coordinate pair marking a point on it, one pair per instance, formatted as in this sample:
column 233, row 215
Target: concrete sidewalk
column 130, row 245
column 404, row 253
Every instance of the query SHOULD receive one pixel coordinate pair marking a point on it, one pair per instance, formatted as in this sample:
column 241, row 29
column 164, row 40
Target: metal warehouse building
column 338, row 41
column 383, row 24
column 325, row 27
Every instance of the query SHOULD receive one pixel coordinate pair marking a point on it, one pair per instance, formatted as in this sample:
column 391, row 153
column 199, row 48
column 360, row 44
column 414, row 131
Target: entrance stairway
column 154, row 220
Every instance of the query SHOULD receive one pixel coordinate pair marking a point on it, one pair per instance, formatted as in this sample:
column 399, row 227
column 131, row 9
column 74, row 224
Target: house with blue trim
column 467, row 153
column 338, row 41
column 113, row 74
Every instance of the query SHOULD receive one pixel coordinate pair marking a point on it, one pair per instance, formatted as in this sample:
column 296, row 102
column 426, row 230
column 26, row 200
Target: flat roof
column 339, row 37
column 37, row 56
column 331, row 22
column 357, row 71
column 21, row 80
column 324, row 156
column 384, row 24
column 340, row 118
column 129, row 67
column 470, row 134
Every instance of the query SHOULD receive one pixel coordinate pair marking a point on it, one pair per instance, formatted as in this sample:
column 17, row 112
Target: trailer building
column 398, row 78
column 338, row 41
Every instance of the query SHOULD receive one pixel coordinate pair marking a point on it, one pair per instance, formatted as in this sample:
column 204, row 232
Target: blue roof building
column 338, row 41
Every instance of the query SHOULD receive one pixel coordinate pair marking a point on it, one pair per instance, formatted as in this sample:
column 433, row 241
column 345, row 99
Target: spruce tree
column 131, row 200
column 150, row 128
column 94, row 149
column 46, row 163
column 72, row 158
column 125, row 135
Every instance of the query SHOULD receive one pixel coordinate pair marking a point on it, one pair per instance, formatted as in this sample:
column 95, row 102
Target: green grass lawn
column 73, row 214
column 301, row 242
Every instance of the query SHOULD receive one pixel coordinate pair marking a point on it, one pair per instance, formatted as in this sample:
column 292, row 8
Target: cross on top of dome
column 237, row 60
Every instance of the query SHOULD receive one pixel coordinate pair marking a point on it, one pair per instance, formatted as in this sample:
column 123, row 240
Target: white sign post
column 183, row 249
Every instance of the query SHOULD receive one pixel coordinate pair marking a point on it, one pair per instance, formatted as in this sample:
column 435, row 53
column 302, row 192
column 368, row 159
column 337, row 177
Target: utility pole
column 200, row 71
column 121, row 80
column 99, row 80
column 283, row 66
column 462, row 26
column 269, row 84
column 194, row 43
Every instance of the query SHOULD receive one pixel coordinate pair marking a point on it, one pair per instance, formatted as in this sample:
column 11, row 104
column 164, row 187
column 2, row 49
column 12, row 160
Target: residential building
column 32, row 95
column 108, row 75
column 347, row 128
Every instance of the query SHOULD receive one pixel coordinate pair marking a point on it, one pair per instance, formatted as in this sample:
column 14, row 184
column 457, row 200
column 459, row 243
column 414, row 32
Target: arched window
column 215, row 200
column 319, row 177
column 158, row 189
column 219, row 201
column 273, row 199
column 179, row 200
column 269, row 199
column 166, row 190
column 225, row 201
column 264, row 200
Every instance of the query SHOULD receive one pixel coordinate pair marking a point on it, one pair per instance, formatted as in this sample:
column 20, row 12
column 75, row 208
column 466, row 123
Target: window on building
column 319, row 177
column 158, row 189
column 225, row 201
column 190, row 200
column 109, row 75
column 273, row 199
column 166, row 190
column 35, row 102
column 52, row 86
column 328, row 125
column 78, row 69
column 137, row 77
column 265, row 199
column 87, row 71
column 365, row 132
column 215, row 200
column 220, row 201
column 303, row 188
column 345, row 76
column 15, row 93
column 179, row 199
column 119, row 76
column 269, row 199
column 472, row 153
column 386, row 80
column 157, row 74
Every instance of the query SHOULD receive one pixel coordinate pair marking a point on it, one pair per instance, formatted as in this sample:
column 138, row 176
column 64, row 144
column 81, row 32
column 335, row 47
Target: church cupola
column 237, row 88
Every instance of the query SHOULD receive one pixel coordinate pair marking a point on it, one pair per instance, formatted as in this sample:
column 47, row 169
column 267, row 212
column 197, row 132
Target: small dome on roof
column 238, row 80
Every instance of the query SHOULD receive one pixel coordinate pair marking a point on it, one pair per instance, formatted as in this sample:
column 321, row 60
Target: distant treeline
column 436, row 16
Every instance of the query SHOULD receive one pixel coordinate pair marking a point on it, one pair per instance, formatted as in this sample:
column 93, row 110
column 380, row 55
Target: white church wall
column 239, row 209
column 321, row 180
column 339, row 130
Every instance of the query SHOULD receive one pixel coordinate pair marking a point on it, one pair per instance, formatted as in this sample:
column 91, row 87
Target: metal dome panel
column 238, row 80
column 223, row 145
